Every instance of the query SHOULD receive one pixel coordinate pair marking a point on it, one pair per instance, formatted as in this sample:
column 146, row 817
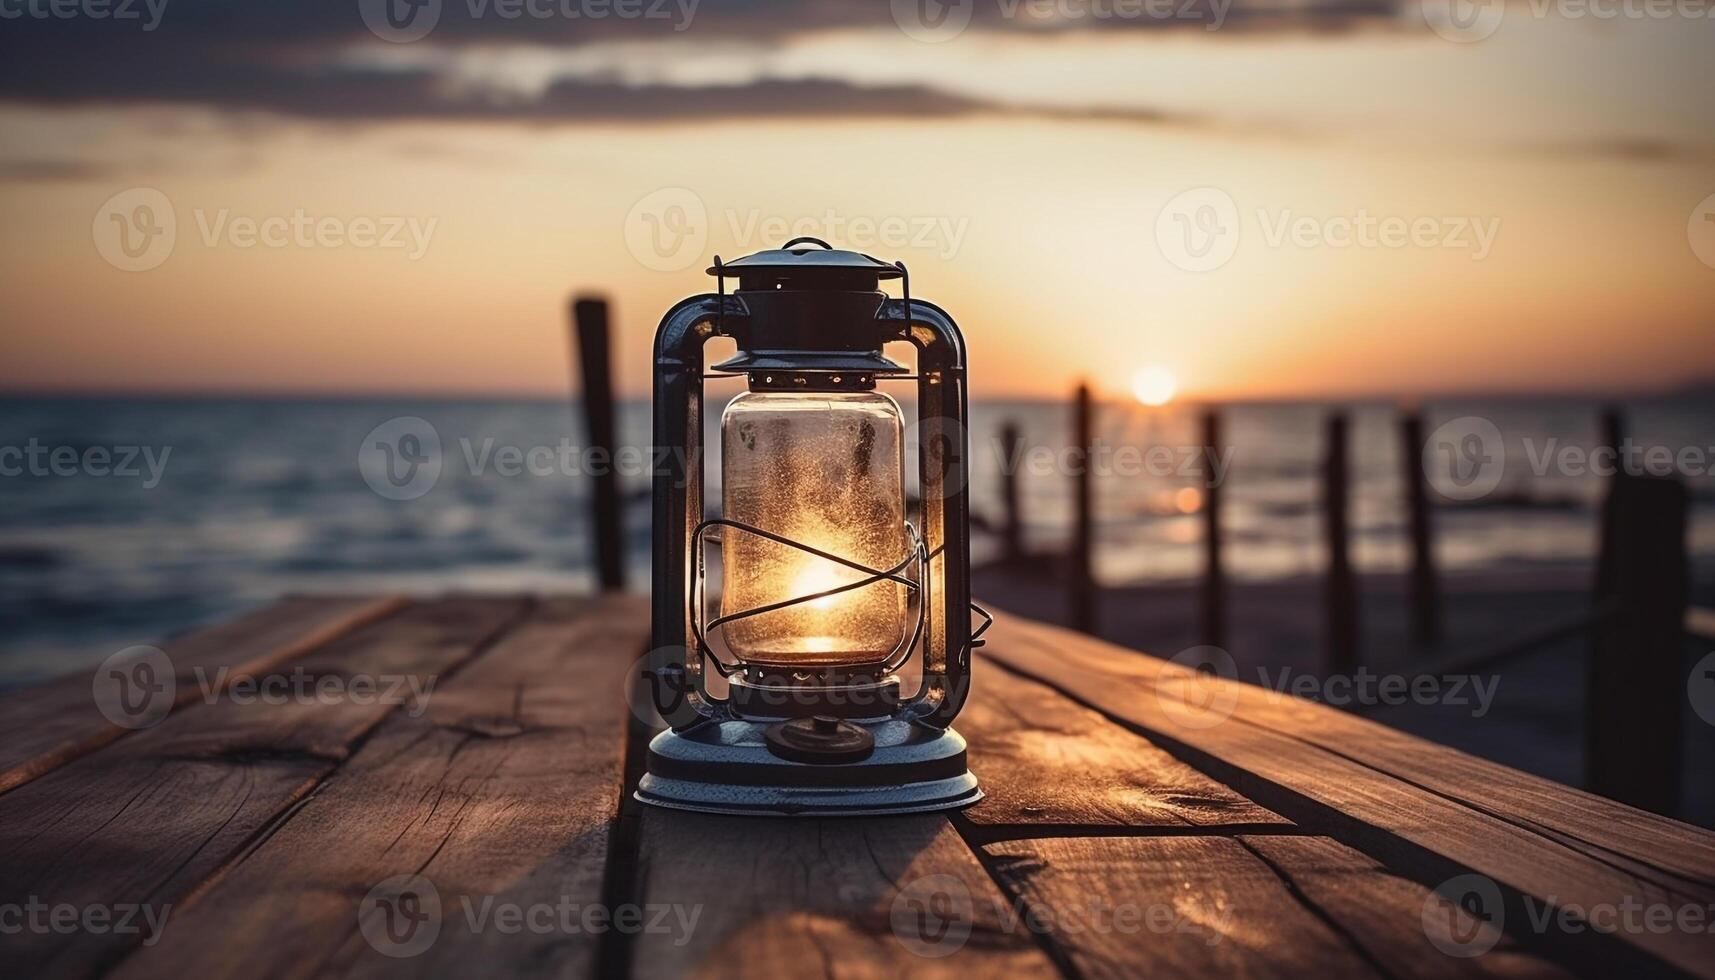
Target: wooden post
column 1083, row 578
column 1214, row 598
column 1636, row 679
column 1613, row 425
column 1425, row 583
column 1012, row 526
column 608, row 529
column 1340, row 591
column 1611, row 435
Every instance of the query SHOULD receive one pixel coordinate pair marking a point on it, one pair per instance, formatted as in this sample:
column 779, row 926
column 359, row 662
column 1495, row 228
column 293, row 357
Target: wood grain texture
column 1045, row 760
column 152, row 816
column 1232, row 907
column 1170, row 906
column 1647, row 843
column 45, row 727
column 501, row 795
column 1415, row 806
column 1383, row 914
column 865, row 897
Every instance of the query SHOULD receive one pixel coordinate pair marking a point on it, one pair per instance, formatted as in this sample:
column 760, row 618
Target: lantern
column 812, row 641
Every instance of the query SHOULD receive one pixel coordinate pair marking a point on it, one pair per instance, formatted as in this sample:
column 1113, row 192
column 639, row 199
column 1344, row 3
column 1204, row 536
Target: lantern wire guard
column 918, row 558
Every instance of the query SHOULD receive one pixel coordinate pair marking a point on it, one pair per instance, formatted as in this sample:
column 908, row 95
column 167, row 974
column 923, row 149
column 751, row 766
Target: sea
column 126, row 520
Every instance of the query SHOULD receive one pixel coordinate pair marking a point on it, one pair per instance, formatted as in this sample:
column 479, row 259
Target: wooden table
column 1141, row 820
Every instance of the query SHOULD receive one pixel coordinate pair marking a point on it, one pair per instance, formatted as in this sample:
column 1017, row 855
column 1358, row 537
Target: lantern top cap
column 805, row 255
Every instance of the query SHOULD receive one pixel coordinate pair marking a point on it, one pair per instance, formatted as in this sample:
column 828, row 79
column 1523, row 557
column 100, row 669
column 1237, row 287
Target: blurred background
column 240, row 236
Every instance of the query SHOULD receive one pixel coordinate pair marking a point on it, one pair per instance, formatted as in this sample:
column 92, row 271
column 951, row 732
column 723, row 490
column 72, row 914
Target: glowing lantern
column 829, row 583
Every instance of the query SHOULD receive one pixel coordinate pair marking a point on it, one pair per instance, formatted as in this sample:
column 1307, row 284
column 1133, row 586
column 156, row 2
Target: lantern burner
column 819, row 739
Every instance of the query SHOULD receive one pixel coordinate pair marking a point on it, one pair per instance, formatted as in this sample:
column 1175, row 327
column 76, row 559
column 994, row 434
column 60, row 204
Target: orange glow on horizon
column 1154, row 385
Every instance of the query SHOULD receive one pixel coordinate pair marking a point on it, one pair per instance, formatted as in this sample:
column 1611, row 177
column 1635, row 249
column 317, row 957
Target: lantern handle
column 806, row 240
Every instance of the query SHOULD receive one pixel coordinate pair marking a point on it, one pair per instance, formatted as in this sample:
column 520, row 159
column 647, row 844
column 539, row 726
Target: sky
column 1307, row 200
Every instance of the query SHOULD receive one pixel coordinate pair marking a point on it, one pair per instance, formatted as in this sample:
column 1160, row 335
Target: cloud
column 345, row 93
column 294, row 57
column 53, row 171
column 1635, row 151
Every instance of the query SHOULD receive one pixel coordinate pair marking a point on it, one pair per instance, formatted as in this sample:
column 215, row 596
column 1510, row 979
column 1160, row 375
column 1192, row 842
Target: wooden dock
column 1142, row 819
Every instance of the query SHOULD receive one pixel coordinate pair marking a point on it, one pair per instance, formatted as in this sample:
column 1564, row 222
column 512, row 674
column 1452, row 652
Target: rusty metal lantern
column 818, row 584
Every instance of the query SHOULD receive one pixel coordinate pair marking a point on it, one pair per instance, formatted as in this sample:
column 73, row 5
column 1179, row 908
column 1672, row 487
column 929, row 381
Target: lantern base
column 726, row 767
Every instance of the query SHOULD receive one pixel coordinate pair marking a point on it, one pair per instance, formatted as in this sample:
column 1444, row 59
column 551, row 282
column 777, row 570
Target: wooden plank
column 152, row 816
column 1385, row 915
column 1046, row 761
column 1601, row 827
column 1170, row 906
column 45, row 727
column 500, row 795
column 887, row 897
column 1184, row 906
column 1418, row 807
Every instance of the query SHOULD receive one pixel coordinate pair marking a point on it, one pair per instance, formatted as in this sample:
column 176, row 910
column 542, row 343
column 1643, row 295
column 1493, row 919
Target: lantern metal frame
column 811, row 318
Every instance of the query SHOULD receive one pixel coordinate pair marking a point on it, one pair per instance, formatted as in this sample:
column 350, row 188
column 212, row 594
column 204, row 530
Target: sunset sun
column 1154, row 385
